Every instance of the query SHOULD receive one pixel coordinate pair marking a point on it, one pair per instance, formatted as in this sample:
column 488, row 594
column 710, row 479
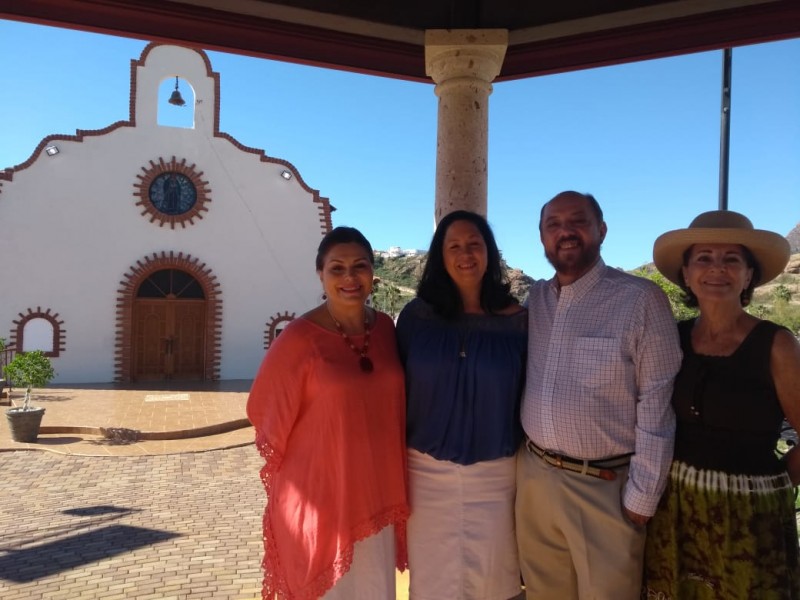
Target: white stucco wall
column 72, row 230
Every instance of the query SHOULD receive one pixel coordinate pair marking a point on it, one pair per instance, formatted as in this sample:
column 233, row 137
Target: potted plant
column 28, row 370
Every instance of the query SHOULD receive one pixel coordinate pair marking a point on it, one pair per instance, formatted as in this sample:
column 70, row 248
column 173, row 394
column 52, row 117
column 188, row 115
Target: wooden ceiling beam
column 210, row 29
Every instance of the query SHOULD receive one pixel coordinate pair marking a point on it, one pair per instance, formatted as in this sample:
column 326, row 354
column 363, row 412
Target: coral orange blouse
column 333, row 438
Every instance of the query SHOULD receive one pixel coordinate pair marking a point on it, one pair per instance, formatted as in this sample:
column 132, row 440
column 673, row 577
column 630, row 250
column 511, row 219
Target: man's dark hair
column 593, row 204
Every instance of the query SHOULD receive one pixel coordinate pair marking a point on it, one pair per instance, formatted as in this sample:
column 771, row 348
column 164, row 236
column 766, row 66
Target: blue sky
column 643, row 137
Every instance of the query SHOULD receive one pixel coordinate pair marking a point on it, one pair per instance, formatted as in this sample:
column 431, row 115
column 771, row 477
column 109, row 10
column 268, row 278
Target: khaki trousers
column 574, row 542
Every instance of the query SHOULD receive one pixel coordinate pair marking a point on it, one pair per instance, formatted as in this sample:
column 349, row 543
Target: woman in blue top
column 463, row 342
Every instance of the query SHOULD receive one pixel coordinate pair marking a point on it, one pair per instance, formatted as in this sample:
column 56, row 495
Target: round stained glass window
column 173, row 193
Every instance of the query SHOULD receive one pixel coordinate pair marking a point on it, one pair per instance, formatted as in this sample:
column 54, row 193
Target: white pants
column 461, row 543
column 372, row 572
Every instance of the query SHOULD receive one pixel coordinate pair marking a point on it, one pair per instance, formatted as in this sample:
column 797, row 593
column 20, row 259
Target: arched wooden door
column 169, row 325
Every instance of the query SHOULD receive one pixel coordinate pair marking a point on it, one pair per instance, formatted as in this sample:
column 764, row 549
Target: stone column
column 463, row 63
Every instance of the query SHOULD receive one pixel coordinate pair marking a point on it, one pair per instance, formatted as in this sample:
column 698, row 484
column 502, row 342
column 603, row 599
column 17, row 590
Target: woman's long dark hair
column 438, row 289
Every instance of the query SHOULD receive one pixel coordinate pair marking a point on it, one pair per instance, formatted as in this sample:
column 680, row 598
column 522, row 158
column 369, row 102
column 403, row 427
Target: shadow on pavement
column 29, row 564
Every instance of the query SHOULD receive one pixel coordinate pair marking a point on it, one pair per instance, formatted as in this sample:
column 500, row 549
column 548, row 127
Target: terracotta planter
column 24, row 424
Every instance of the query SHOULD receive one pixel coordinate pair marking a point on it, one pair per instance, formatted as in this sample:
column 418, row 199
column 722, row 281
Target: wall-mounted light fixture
column 51, row 150
column 286, row 175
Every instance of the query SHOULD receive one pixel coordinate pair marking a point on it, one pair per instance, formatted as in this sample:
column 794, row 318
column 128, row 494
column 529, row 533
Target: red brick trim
column 127, row 293
column 324, row 207
column 59, row 333
column 154, row 170
column 209, row 72
column 272, row 326
column 80, row 134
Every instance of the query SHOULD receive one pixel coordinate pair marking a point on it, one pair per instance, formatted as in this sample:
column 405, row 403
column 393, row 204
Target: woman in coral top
column 328, row 405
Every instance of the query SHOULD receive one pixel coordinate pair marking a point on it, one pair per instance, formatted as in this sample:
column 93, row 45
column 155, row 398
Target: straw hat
column 770, row 249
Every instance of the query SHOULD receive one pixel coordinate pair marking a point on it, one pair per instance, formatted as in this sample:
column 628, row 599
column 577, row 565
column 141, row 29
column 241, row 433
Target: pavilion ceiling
column 386, row 37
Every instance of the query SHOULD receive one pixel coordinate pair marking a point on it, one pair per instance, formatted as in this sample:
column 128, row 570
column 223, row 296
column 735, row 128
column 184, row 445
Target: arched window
column 39, row 330
column 37, row 334
column 170, row 283
column 170, row 112
column 275, row 326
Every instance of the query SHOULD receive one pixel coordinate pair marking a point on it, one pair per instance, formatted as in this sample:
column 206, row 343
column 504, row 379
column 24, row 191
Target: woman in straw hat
column 726, row 528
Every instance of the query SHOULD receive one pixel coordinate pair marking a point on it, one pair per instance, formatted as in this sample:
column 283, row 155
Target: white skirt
column 372, row 572
column 461, row 542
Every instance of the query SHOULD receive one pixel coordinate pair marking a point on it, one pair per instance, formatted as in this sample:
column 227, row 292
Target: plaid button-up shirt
column 602, row 356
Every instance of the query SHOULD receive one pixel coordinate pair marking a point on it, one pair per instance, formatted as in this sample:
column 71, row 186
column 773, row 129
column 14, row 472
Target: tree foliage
column 29, row 370
column 781, row 312
column 674, row 293
column 387, row 297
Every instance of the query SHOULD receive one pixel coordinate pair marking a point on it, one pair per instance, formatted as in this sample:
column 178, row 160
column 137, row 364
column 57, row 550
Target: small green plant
column 782, row 293
column 29, row 370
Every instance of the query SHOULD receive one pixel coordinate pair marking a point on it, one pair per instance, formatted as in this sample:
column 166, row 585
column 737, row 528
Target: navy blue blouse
column 464, row 381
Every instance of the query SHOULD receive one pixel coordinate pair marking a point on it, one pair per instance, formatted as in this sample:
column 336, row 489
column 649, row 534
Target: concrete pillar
column 463, row 63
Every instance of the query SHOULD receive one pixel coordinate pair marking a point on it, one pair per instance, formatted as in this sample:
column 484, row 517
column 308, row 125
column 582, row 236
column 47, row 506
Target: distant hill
column 789, row 278
column 404, row 273
column 794, row 238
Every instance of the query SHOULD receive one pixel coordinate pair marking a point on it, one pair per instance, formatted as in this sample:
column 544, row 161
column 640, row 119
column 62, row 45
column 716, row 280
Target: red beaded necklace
column 364, row 362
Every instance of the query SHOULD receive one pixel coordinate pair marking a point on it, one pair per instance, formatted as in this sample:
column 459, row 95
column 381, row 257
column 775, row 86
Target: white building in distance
column 147, row 252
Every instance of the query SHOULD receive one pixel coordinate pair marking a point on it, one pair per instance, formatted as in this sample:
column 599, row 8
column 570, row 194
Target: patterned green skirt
column 722, row 537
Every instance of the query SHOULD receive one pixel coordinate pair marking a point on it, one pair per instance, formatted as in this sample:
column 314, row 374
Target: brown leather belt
column 602, row 468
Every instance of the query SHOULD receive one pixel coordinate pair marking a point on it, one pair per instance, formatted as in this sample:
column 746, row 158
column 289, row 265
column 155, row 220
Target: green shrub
column 29, row 370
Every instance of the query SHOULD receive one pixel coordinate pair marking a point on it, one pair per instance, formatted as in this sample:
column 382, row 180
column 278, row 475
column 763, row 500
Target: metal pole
column 725, row 130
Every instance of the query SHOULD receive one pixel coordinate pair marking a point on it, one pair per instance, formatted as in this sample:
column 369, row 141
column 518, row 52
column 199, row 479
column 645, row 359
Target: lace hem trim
column 274, row 584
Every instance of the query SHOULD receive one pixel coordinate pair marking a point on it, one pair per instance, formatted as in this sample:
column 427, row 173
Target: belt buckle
column 559, row 461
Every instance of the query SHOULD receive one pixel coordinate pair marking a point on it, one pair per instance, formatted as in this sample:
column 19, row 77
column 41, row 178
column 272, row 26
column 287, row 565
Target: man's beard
column 578, row 264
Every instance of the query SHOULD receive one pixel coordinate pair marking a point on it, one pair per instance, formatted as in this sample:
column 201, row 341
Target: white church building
column 145, row 252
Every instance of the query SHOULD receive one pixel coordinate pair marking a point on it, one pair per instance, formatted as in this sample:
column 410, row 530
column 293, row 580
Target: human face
column 464, row 255
column 717, row 272
column 346, row 274
column 571, row 236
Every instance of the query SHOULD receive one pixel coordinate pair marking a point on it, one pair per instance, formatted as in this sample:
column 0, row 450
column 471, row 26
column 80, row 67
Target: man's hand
column 635, row 518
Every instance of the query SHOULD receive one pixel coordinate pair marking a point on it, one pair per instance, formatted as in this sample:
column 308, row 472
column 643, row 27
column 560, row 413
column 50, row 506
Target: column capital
column 471, row 53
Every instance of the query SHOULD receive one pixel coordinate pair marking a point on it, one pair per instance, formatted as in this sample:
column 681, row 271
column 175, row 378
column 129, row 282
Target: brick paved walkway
column 93, row 518
column 182, row 526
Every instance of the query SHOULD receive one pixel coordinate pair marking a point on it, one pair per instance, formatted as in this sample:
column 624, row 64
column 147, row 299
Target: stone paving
column 84, row 516
column 166, row 527
column 153, row 419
